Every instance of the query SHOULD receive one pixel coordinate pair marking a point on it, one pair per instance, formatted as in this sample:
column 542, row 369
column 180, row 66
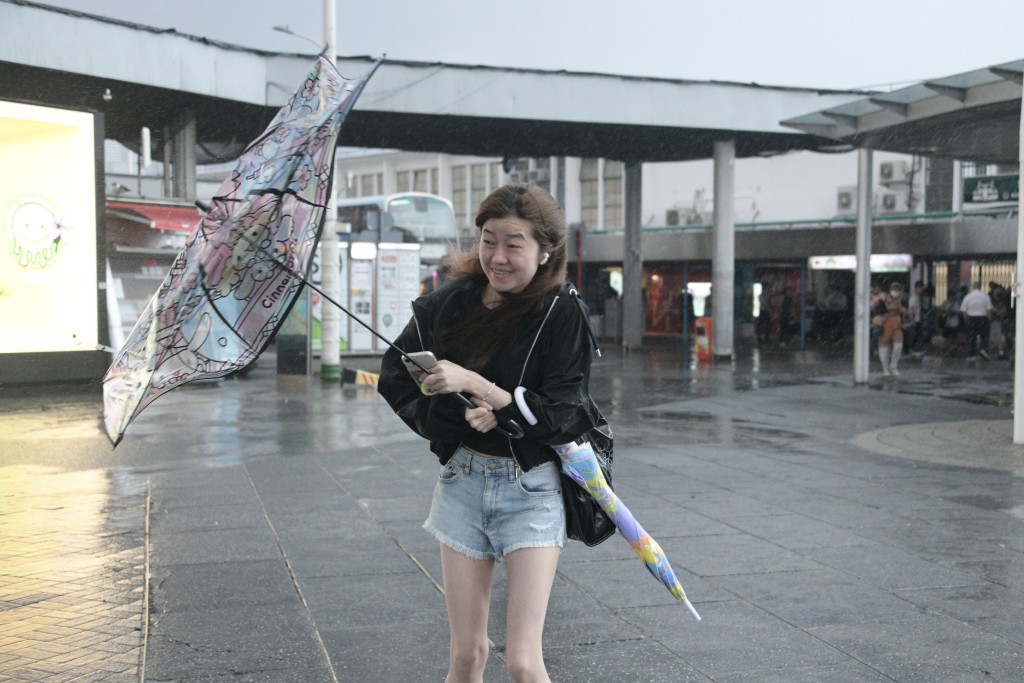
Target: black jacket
column 553, row 367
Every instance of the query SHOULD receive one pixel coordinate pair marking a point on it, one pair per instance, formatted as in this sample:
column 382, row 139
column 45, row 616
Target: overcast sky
column 812, row 43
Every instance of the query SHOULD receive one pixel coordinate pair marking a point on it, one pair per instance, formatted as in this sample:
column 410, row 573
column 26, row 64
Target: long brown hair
column 490, row 331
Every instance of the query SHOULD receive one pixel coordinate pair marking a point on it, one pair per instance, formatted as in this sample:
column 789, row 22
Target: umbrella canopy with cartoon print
column 243, row 267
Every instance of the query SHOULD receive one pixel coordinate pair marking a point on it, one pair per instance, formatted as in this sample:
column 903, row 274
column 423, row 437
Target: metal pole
column 861, row 303
column 803, row 306
column 578, row 238
column 723, row 267
column 685, row 312
column 330, row 361
column 1018, row 347
column 633, row 313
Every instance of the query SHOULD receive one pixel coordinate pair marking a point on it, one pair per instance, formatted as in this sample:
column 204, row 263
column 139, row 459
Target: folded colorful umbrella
column 580, row 463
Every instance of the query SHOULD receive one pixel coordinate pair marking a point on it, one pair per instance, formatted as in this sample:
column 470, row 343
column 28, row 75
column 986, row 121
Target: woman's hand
column 482, row 417
column 448, row 378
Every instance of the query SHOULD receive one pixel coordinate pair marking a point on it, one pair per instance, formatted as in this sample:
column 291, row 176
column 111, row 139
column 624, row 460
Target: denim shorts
column 482, row 510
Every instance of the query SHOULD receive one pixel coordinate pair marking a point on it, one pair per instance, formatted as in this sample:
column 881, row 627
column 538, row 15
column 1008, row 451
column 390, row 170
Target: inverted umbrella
column 580, row 463
column 243, row 267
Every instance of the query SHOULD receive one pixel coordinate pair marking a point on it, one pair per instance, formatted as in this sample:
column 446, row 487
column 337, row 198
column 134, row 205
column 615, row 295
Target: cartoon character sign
column 35, row 231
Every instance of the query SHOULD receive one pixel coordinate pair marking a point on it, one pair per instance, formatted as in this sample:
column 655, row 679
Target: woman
column 889, row 314
column 509, row 334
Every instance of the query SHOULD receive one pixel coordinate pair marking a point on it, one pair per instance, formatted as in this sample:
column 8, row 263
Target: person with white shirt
column 976, row 308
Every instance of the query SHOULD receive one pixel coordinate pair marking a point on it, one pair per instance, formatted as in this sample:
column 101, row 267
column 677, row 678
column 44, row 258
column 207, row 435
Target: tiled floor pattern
column 72, row 575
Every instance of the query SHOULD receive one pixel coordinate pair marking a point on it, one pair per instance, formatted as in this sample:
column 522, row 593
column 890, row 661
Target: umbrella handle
column 506, row 426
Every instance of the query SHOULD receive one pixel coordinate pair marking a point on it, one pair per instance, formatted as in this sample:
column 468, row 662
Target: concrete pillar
column 633, row 313
column 600, row 195
column 444, row 176
column 958, row 188
column 573, row 196
column 330, row 315
column 1018, row 351
column 553, row 179
column 861, row 303
column 180, row 157
column 723, row 267
column 389, row 181
column 167, row 157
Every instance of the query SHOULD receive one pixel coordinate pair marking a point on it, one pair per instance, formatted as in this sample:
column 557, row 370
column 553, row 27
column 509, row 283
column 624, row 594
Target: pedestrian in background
column 833, row 314
column 687, row 314
column 1001, row 323
column 509, row 333
column 876, row 296
column 890, row 317
column 976, row 309
column 929, row 317
column 764, row 313
column 786, row 321
column 952, row 321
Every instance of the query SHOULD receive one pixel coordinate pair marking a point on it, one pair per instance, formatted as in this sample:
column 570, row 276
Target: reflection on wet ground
column 73, row 512
column 666, row 371
column 72, row 574
column 663, row 395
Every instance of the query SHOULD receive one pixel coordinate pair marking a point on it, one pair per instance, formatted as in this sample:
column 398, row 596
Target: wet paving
column 72, row 574
column 815, row 524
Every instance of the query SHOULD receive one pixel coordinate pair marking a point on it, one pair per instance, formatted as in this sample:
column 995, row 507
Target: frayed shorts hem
column 477, row 555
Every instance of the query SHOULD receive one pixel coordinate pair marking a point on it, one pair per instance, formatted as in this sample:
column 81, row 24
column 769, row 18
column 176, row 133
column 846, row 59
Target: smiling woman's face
column 509, row 253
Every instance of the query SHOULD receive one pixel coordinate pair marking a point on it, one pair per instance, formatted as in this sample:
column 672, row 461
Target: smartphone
column 424, row 358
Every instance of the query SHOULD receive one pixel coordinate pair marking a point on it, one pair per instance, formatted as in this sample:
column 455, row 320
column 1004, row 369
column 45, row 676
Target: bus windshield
column 404, row 217
column 424, row 217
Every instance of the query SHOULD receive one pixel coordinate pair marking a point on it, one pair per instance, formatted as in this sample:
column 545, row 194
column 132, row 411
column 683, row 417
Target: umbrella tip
column 689, row 606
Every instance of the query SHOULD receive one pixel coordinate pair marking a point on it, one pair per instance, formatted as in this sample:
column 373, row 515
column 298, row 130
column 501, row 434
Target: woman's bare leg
column 467, row 594
column 531, row 573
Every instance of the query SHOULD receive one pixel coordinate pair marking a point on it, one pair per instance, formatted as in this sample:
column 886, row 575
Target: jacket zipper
column 529, row 354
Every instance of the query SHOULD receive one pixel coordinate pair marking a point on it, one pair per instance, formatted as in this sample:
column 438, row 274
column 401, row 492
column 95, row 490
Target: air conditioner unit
column 538, row 175
column 892, row 172
column 846, row 200
column 894, row 202
column 672, row 217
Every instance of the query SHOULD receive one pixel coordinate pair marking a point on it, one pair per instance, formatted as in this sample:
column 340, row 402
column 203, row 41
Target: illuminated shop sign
column 48, row 257
column 880, row 263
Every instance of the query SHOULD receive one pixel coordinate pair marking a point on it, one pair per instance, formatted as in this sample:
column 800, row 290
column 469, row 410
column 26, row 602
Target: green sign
column 992, row 188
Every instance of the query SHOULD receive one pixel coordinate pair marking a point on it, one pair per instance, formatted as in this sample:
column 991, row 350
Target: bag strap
column 586, row 319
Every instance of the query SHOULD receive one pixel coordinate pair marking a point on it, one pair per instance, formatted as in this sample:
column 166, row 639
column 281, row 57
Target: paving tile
column 930, row 648
column 58, row 563
column 818, row 597
column 734, row 637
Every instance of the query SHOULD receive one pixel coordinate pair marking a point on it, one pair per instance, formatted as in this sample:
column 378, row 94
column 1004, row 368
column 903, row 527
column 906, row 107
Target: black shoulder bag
column 585, row 521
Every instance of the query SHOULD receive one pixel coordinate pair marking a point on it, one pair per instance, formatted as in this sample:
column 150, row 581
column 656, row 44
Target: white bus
column 412, row 217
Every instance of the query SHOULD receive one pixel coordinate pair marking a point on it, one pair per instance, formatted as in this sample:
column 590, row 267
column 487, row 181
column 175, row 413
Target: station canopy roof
column 143, row 76
column 972, row 116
